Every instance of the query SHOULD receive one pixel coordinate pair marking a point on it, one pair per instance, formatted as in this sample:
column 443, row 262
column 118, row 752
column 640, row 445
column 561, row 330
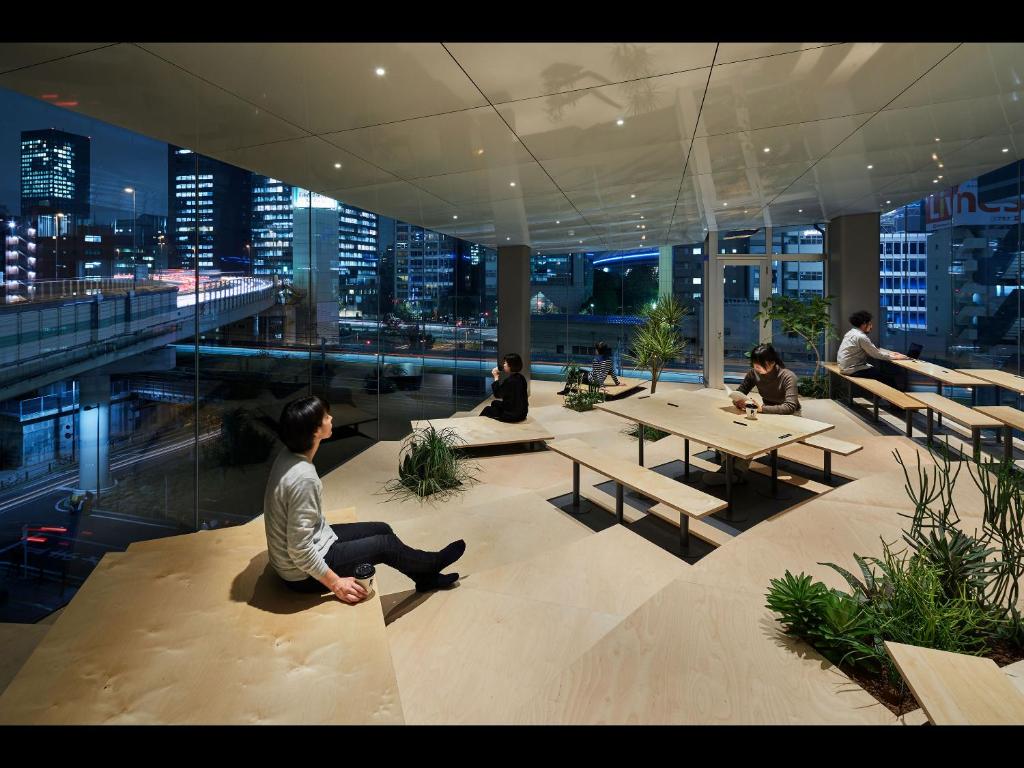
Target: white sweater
column 298, row 536
column 855, row 350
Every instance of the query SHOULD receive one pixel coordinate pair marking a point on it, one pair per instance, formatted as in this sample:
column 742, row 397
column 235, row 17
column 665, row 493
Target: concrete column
column 94, row 433
column 852, row 262
column 714, row 314
column 665, row 271
column 514, row 302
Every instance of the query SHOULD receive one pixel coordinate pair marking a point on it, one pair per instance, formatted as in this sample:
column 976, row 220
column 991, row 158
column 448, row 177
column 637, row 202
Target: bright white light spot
column 381, row 71
column 620, row 121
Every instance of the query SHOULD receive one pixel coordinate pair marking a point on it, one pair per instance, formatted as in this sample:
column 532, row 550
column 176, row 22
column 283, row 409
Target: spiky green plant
column 658, row 340
column 431, row 464
column 650, row 433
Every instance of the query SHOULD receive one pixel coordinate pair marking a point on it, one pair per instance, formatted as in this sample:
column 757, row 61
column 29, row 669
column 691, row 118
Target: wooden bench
column 612, row 391
column 958, row 689
column 481, row 432
column 688, row 502
column 880, row 391
column 968, row 417
column 1011, row 418
column 831, row 445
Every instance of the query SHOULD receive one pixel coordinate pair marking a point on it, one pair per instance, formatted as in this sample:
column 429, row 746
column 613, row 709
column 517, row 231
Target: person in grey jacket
column 856, row 349
column 310, row 555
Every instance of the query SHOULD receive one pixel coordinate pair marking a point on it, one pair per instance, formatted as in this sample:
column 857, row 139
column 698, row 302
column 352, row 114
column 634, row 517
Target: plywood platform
column 481, row 432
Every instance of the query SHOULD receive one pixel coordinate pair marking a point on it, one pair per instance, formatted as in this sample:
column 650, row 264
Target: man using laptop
column 856, row 348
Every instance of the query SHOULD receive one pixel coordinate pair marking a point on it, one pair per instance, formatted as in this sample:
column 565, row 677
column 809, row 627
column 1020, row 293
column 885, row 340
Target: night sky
column 120, row 158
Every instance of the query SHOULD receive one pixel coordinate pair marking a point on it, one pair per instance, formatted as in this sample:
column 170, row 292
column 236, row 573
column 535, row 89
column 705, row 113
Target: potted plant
column 810, row 320
column 658, row 340
column 431, row 464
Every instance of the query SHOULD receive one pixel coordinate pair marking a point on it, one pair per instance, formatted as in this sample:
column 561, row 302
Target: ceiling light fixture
column 455, row 217
column 337, row 165
column 480, row 151
column 767, row 149
column 935, row 181
column 934, row 156
column 641, row 217
column 800, row 210
column 940, row 176
column 870, row 167
column 511, row 183
column 620, row 121
column 508, row 238
column 941, row 165
column 632, row 196
column 887, row 202
column 937, row 138
column 381, row 71
column 557, row 221
column 1006, row 149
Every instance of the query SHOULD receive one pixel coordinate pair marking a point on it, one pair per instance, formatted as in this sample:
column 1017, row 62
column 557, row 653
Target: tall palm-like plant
column 659, row 339
column 810, row 320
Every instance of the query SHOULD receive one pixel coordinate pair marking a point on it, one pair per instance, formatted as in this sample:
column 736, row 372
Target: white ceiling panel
column 327, row 87
column 501, row 183
column 17, row 55
column 972, row 71
column 468, row 140
column 655, row 111
column 512, row 71
column 399, row 199
column 731, row 52
column 819, row 83
column 128, row 87
column 801, row 143
column 309, row 163
column 623, row 167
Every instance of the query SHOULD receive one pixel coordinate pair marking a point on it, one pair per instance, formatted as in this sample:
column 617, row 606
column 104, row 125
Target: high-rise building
column 424, row 266
column 55, row 174
column 315, row 260
column 272, row 221
column 209, row 212
column 357, row 260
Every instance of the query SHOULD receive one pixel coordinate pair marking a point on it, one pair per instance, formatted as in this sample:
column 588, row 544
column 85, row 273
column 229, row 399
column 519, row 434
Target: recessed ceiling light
column 887, row 202
column 337, row 165
column 941, row 165
column 937, row 138
column 638, row 226
column 940, row 176
column 508, row 238
column 511, row 183
column 480, row 151
column 1006, row 149
column 632, row 196
column 641, row 217
column 767, row 149
column 643, row 226
column 934, row 156
column 935, row 181
column 455, row 217
column 870, row 167
column 381, row 71
column 620, row 121
column 747, row 211
column 725, row 204
column 557, row 222
column 643, row 237
column 800, row 210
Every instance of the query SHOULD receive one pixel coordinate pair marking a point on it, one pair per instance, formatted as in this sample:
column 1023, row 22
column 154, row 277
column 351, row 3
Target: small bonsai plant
column 431, row 464
column 658, row 340
column 650, row 433
column 811, row 321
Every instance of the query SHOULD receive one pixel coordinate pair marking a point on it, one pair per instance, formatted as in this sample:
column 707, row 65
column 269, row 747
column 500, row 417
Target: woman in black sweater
column 511, row 404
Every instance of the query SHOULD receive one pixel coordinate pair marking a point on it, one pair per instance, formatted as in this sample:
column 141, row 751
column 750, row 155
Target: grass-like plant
column 650, row 433
column 950, row 589
column 583, row 393
column 659, row 339
column 432, row 465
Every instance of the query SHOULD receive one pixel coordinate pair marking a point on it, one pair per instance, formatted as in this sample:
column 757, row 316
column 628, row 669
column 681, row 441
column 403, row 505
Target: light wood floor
column 550, row 623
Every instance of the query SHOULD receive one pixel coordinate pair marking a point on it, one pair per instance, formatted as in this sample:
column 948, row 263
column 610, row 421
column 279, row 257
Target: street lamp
column 131, row 191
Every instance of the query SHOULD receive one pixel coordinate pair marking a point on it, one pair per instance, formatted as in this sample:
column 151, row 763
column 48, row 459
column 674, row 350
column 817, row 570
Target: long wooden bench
column 968, row 417
column 831, row 445
column 612, row 391
column 481, row 432
column 689, row 502
column 880, row 391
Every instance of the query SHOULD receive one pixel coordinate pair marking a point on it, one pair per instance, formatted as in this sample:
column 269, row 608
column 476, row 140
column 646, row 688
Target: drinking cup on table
column 751, row 410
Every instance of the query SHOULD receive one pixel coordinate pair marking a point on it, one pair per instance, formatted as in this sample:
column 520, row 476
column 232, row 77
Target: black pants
column 370, row 543
column 885, row 372
column 495, row 411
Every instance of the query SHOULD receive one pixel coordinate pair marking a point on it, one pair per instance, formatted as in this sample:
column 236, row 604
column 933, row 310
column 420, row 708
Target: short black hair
column 300, row 420
column 858, row 318
column 515, row 362
column 763, row 354
column 603, row 349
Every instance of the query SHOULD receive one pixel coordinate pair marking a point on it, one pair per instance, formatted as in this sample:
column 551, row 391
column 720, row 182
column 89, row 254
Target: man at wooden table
column 856, row 348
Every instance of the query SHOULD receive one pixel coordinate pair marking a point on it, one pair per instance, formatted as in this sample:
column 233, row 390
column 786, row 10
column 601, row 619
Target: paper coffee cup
column 365, row 575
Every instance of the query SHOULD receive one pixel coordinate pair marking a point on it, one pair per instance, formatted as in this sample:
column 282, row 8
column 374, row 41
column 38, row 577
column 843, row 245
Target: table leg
column 728, row 482
column 576, row 486
column 1008, row 445
column 938, row 388
column 641, row 427
column 974, row 396
column 684, row 533
column 929, row 426
column 775, row 472
column 618, row 501
column 828, row 466
column 876, row 407
column 686, row 458
column 976, row 442
column 909, row 414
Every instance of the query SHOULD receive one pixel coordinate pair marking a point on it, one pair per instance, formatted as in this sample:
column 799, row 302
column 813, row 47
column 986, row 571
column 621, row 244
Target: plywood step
column 702, row 529
column 18, row 641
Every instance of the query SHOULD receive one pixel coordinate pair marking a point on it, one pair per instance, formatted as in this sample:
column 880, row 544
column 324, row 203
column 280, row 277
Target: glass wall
column 950, row 274
column 579, row 299
column 160, row 308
